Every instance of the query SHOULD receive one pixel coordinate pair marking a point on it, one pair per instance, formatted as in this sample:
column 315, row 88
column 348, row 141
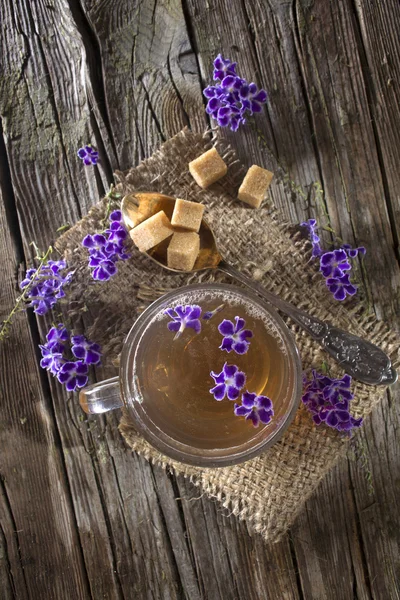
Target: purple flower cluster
column 88, row 155
column 229, row 383
column 328, row 400
column 107, row 248
column 46, row 285
column 72, row 373
column 334, row 265
column 232, row 98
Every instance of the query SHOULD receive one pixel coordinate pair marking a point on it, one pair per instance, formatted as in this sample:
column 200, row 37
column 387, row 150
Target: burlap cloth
column 270, row 490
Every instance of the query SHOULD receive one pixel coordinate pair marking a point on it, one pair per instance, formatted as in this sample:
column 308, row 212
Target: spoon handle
column 358, row 357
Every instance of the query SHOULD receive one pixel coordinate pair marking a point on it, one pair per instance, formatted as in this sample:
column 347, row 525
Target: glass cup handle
column 101, row 397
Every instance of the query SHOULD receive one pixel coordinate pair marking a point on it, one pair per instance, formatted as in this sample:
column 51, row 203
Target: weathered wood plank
column 35, row 503
column 352, row 175
column 150, row 74
column 230, row 562
column 379, row 26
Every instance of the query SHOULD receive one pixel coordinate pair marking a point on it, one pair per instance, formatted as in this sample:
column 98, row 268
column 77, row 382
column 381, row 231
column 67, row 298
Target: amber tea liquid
column 173, row 376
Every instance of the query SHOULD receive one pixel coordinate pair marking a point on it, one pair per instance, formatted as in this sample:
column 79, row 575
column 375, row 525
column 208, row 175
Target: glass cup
column 194, row 438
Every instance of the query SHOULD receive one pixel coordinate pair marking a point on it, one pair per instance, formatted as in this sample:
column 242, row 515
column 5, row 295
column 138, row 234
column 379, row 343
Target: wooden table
column 80, row 515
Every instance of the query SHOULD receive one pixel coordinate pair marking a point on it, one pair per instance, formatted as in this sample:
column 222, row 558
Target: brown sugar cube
column 208, row 168
column 255, row 185
column 183, row 250
column 187, row 214
column 152, row 231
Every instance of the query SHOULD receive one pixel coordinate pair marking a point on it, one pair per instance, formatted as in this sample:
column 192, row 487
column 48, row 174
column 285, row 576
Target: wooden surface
column 80, row 515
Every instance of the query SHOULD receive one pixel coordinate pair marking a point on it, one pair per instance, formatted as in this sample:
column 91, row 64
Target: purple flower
column 52, row 359
column 256, row 408
column 182, row 317
column 47, row 285
column 341, row 287
column 338, row 389
column 328, row 400
column 73, row 375
column 235, row 335
column 96, row 243
column 334, row 264
column 232, row 98
column 89, row 352
column 353, row 252
column 57, row 337
column 107, row 248
column 311, row 226
column 337, row 417
column 223, row 67
column 105, row 269
column 251, row 97
column 88, row 155
column 228, row 383
column 209, row 314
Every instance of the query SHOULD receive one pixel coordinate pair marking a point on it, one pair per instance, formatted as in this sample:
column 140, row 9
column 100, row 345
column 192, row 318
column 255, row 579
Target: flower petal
column 265, row 415
column 241, row 411
column 232, row 392
column 194, row 324
column 254, row 418
column 241, row 347
column 219, row 391
column 246, row 333
column 218, row 377
column 248, row 399
column 239, row 324
column 81, row 380
column 227, row 343
column 229, row 370
column 71, row 384
column 226, row 327
column 239, row 379
column 332, row 419
column 263, row 402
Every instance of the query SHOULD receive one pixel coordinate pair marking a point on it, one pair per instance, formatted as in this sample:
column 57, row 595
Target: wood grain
column 35, row 504
column 126, row 75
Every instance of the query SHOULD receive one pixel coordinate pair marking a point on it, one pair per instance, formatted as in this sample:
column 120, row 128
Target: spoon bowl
column 138, row 207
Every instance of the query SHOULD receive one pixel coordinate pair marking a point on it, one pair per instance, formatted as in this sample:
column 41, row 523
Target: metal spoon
column 359, row 358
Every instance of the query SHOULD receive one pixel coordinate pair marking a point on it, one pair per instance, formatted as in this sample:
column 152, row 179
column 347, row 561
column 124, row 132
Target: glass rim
column 173, row 448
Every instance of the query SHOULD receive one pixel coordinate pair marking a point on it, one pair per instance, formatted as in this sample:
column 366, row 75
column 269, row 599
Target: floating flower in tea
column 235, row 335
column 255, row 408
column 183, row 317
column 228, row 383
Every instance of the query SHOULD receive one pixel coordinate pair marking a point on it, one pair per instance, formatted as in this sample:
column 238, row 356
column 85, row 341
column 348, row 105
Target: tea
column 172, row 376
